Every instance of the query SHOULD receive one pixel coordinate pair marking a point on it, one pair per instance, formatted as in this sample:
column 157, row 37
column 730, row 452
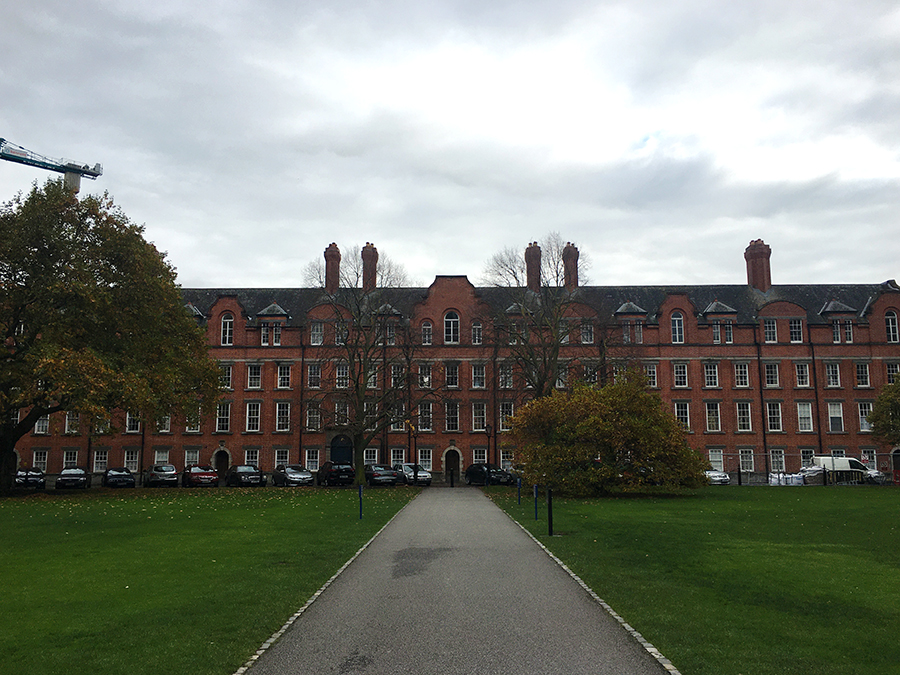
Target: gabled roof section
column 716, row 307
column 193, row 311
column 274, row 309
column 836, row 307
column 630, row 308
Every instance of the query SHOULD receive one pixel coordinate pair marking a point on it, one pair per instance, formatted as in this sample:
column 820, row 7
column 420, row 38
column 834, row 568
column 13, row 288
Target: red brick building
column 764, row 376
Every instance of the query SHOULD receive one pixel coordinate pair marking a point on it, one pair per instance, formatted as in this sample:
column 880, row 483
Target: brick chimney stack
column 533, row 267
column 332, row 268
column 570, row 266
column 370, row 265
column 759, row 273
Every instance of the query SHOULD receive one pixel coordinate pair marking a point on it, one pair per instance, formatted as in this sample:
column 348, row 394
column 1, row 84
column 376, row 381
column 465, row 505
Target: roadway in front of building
column 453, row 586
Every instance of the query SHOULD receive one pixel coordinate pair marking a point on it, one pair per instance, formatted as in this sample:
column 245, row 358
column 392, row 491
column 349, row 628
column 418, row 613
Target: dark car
column 335, row 473
column 413, row 474
column 475, row 475
column 245, row 475
column 292, row 475
column 117, row 476
column 381, row 474
column 31, row 478
column 74, row 477
column 199, row 476
column 161, row 474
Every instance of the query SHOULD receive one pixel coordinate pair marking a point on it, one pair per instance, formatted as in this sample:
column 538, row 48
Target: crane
column 72, row 171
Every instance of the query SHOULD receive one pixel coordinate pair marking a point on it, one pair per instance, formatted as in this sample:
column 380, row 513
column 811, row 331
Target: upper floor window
column 770, row 330
column 254, row 376
column 451, row 328
column 224, row 376
column 276, row 335
column 862, row 375
column 836, row 331
column 316, row 333
column 132, row 424
column 476, row 333
column 796, row 330
column 426, row 333
column 848, row 331
column 802, row 372
column 478, row 376
column 314, row 376
column 264, row 334
column 741, row 375
column 680, row 374
column 677, row 328
column 890, row 325
column 711, row 375
column 452, row 374
column 284, row 376
column 227, row 330
column 832, row 375
column 587, row 333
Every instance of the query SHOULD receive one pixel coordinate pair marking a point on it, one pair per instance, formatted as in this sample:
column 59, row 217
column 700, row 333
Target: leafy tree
column 92, row 319
column 885, row 415
column 595, row 440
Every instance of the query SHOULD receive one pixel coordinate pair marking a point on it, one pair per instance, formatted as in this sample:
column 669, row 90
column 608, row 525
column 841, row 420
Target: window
column 587, row 333
column 397, row 375
column 225, row 377
column 806, row 456
column 251, row 456
column 264, row 334
column 836, row 331
column 626, row 332
column 398, row 416
column 776, row 457
column 253, row 416
column 223, row 418
column 72, row 423
column 650, row 372
column 717, row 459
column 835, row 417
column 39, row 460
column 479, row 416
column 506, row 460
column 451, row 328
column 398, row 456
column 282, row 416
column 746, row 460
column 370, row 456
column 281, row 456
column 639, row 332
column 341, row 376
column 682, row 414
column 425, row 423
column 505, row 376
column 848, row 331
column 796, row 330
column 426, row 333
column 804, row 417
column 562, row 375
column 865, row 408
column 713, row 420
column 506, row 411
column 254, row 376
column 862, row 375
column 564, row 332
column 370, row 409
column 164, row 425
column 131, row 459
column 42, row 425
column 390, row 333
column 341, row 412
column 313, row 416
column 716, row 332
column 589, row 373
column 132, row 424
column 451, row 416
column 193, row 427
column 802, row 372
column 284, row 376
column 770, row 330
column 227, row 330
column 451, row 371
column 312, row 459
column 425, row 375
column 890, row 326
column 276, row 335
column 425, row 458
column 100, row 459
column 711, row 375
column 771, row 370
column 893, row 369
column 191, row 456
column 476, row 333
column 316, row 333
column 478, row 377
column 741, row 375
column 773, row 414
column 479, row 455
column 743, row 417
column 341, row 333
column 832, row 375
column 314, row 377
column 681, row 374
column 70, row 459
column 677, row 328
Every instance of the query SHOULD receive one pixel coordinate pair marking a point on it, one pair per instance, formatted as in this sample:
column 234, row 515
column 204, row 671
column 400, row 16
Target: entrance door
column 342, row 450
column 220, row 460
column 451, row 463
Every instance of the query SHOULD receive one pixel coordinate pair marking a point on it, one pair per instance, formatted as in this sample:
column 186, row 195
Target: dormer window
column 677, row 328
column 227, row 330
column 451, row 328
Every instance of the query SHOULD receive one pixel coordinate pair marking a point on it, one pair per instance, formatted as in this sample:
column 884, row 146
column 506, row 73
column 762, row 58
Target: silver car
column 161, row 474
column 413, row 474
column 717, row 477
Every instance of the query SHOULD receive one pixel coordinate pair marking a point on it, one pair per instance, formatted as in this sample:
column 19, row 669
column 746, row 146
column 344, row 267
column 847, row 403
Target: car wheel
column 468, row 481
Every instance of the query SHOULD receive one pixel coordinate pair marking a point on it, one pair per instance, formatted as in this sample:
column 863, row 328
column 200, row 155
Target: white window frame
column 317, row 333
column 680, row 375
column 223, row 418
column 479, row 378
column 314, row 376
column 773, row 416
column 341, row 376
column 742, row 375
column 254, row 376
column 427, row 333
column 253, row 416
column 477, row 333
column 890, row 327
column 832, row 375
column 225, row 376
column 425, row 417
column 801, row 374
column 773, row 379
column 683, row 413
column 312, row 459
column 805, row 417
column 226, row 335
column 507, row 410
column 479, row 415
column 744, row 416
column 284, row 376
column 717, row 459
column 677, row 323
column 863, row 381
column 865, row 409
column 451, row 416
column 713, row 417
column 451, row 328
column 776, row 459
column 651, row 374
column 770, row 331
column 711, row 375
column 282, row 416
column 795, row 329
column 835, row 417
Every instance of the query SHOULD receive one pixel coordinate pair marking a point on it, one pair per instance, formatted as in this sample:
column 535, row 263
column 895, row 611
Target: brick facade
column 762, row 375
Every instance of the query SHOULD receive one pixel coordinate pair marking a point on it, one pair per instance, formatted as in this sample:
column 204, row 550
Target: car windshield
column 341, row 466
column 379, row 467
column 165, row 468
column 71, row 472
column 201, row 469
column 118, row 472
column 246, row 469
column 294, row 469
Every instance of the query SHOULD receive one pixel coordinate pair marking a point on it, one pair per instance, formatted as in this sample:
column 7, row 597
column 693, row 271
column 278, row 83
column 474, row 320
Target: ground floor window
column 39, row 460
column 506, row 459
column 398, row 455
column 746, row 459
column 717, row 459
column 251, row 456
column 191, row 456
column 425, row 458
column 131, row 460
column 479, row 455
column 370, row 456
column 281, row 456
column 806, row 455
column 160, row 456
column 100, row 458
column 70, row 459
column 312, row 460
column 776, row 457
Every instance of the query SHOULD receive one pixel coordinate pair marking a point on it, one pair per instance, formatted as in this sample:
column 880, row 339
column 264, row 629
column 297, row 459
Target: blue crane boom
column 72, row 171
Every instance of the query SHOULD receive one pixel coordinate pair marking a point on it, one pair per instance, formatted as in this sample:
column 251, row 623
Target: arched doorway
column 342, row 449
column 452, row 462
column 221, row 461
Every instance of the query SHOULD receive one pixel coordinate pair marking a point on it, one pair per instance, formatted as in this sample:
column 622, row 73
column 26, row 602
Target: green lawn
column 750, row 581
column 169, row 580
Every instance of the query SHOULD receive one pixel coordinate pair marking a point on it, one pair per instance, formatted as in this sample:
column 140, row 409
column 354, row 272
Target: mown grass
column 171, row 580
column 749, row 581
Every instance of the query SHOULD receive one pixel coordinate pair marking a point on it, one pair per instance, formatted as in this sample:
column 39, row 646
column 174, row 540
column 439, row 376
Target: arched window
column 890, row 325
column 227, row 330
column 451, row 328
column 426, row 333
column 677, row 328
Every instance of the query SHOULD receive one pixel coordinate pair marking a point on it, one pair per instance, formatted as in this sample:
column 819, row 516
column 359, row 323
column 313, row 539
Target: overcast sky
column 661, row 137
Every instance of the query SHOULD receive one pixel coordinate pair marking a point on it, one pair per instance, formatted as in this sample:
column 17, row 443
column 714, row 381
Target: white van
column 842, row 469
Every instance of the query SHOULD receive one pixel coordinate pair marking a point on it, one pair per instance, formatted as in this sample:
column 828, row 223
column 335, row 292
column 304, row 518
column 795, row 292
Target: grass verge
column 730, row 581
column 171, row 580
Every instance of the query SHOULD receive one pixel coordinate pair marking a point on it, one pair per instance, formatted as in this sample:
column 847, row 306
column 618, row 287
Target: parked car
column 475, row 474
column 161, row 474
column 31, row 478
column 245, row 475
column 717, row 477
column 199, row 476
column 292, row 475
column 335, row 473
column 381, row 474
column 74, row 477
column 413, row 474
column 117, row 476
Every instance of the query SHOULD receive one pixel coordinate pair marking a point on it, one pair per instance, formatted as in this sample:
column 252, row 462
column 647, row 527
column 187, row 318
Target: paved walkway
column 452, row 585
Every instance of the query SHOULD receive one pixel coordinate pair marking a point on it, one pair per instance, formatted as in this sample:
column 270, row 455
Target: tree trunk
column 7, row 464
